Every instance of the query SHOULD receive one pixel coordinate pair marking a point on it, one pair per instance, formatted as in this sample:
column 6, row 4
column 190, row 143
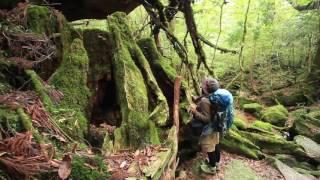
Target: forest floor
column 246, row 168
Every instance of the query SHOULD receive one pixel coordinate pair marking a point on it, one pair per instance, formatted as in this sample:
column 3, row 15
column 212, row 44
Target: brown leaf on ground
column 65, row 167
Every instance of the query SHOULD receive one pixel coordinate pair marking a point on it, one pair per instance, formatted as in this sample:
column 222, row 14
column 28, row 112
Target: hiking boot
column 217, row 166
column 208, row 169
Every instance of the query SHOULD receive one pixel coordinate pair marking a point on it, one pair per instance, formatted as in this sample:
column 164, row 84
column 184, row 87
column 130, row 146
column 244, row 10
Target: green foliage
column 82, row 172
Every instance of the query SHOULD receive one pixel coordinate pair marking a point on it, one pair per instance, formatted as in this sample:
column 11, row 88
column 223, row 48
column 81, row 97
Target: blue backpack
column 222, row 101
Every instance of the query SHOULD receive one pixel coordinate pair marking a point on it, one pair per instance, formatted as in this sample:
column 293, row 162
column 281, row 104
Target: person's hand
column 193, row 108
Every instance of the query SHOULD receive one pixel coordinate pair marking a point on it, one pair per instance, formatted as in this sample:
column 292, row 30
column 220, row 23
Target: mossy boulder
column 241, row 101
column 291, row 99
column 262, row 126
column 238, row 169
column 240, row 123
column 236, row 143
column 253, row 108
column 276, row 115
column 273, row 143
column 290, row 173
column 307, row 124
column 294, row 162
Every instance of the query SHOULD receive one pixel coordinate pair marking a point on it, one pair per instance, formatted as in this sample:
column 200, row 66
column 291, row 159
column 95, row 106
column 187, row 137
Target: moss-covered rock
column 312, row 148
column 241, row 101
column 290, row 173
column 293, row 162
column 253, row 108
column 264, row 126
column 240, row 123
column 236, row 143
column 273, row 143
column 308, row 125
column 276, row 115
column 291, row 99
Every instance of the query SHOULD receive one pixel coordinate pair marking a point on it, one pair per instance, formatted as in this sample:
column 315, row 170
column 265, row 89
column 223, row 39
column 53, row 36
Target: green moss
column 276, row 115
column 131, row 86
column 10, row 120
column 241, row 101
column 273, row 144
column 154, row 136
column 292, row 99
column 293, row 162
column 240, row 123
column 149, row 49
column 81, row 171
column 262, row 125
column 71, row 77
column 307, row 125
column 41, row 20
column 27, row 125
column 236, row 143
column 39, row 87
column 253, row 108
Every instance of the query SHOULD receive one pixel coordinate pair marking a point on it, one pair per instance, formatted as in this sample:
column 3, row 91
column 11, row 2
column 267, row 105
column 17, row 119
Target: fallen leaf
column 65, row 167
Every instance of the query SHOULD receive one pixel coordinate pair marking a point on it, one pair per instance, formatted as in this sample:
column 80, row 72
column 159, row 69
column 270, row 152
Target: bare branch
column 221, row 49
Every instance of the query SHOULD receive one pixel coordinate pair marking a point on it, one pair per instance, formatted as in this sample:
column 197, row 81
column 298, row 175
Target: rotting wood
column 173, row 163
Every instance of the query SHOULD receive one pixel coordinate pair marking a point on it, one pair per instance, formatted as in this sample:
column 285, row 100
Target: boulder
column 312, row 148
column 308, row 125
column 290, row 173
column 253, row 108
column 276, row 115
column 237, row 169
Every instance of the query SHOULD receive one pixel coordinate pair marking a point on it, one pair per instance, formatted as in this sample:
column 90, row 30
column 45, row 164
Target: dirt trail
column 260, row 167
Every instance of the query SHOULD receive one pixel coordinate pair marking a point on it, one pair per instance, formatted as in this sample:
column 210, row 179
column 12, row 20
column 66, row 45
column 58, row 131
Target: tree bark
column 192, row 28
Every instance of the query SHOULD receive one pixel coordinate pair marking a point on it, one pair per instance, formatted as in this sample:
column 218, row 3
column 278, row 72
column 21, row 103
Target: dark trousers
column 214, row 157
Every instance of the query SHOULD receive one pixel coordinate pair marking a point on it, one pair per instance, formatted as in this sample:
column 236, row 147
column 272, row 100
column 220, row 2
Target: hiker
column 211, row 117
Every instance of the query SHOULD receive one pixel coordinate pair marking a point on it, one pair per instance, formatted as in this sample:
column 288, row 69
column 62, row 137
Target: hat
column 209, row 85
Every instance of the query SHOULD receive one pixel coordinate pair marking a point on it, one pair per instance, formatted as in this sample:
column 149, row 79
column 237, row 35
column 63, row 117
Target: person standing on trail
column 212, row 115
